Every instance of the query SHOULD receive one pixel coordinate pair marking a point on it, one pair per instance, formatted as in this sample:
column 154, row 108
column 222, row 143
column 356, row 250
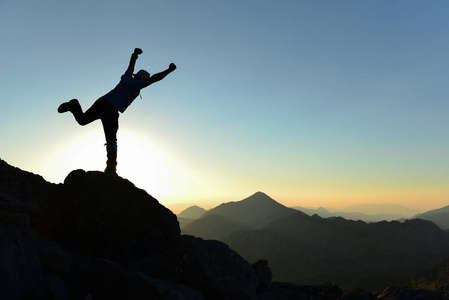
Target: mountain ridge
column 379, row 208
column 355, row 216
column 312, row 249
column 385, row 212
column 439, row 216
column 98, row 236
column 242, row 212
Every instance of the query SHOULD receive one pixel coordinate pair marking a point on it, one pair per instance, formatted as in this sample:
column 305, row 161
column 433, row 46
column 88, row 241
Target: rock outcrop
column 21, row 197
column 108, row 216
column 101, row 237
column 24, row 186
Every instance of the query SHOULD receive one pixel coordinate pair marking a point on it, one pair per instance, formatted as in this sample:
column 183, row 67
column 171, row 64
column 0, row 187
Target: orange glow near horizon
column 178, row 184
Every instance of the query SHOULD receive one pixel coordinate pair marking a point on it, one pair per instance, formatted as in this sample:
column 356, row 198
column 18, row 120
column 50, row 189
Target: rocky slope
column 99, row 237
column 436, row 279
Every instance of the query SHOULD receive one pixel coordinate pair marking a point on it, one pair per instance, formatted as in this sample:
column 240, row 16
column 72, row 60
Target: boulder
column 21, row 276
column 218, row 272
column 110, row 281
column 209, row 266
column 107, row 216
column 263, row 272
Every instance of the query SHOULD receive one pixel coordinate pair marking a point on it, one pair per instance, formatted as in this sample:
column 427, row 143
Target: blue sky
column 316, row 103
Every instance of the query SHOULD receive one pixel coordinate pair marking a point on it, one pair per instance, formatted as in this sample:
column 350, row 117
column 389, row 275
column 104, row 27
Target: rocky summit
column 97, row 236
column 107, row 215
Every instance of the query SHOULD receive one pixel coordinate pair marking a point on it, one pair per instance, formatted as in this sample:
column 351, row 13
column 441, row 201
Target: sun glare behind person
column 145, row 163
column 142, row 161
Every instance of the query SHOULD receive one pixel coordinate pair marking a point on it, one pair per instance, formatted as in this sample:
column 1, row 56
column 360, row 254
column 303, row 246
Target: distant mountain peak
column 322, row 209
column 256, row 210
column 260, row 193
column 259, row 196
column 260, row 201
column 193, row 212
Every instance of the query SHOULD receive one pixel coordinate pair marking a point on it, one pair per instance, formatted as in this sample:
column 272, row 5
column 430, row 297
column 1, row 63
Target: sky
column 316, row 103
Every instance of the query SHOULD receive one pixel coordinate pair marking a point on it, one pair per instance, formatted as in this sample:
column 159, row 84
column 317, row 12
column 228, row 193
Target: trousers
column 102, row 110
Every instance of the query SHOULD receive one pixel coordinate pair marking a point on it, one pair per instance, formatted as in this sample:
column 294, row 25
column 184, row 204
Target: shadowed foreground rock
column 103, row 238
column 207, row 265
column 108, row 216
column 21, row 197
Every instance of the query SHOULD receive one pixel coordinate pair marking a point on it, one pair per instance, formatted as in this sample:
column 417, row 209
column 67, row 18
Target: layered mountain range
column 366, row 212
column 310, row 249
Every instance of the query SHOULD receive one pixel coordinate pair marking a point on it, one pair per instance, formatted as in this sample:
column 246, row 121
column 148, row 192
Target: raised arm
column 132, row 61
column 159, row 76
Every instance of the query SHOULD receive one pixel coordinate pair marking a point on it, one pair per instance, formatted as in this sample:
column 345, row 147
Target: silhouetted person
column 106, row 108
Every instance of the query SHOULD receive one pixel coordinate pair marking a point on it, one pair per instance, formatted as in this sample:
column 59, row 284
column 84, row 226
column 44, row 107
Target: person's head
column 142, row 74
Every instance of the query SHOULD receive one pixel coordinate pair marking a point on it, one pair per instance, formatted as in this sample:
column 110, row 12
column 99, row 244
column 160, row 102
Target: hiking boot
column 111, row 163
column 111, row 168
column 68, row 106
